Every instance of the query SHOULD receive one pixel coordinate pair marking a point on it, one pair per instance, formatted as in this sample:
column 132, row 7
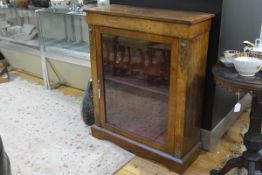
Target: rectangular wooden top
column 152, row 14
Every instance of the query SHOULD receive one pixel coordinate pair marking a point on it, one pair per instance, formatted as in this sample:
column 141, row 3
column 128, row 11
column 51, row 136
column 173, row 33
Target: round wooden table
column 251, row 159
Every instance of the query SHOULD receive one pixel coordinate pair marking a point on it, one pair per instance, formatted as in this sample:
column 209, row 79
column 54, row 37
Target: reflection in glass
column 136, row 74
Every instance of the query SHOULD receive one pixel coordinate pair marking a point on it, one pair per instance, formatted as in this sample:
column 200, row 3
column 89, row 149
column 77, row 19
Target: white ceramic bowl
column 247, row 66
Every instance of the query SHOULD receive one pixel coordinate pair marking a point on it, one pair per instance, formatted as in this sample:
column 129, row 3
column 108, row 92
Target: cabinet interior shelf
column 139, row 84
column 148, row 131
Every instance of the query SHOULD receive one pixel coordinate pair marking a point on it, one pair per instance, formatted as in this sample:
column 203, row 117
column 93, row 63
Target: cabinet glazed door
column 135, row 69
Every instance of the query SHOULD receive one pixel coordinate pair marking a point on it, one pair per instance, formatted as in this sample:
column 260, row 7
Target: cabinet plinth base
column 173, row 163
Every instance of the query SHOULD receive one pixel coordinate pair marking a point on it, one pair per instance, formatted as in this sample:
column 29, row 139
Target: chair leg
column 251, row 168
column 232, row 163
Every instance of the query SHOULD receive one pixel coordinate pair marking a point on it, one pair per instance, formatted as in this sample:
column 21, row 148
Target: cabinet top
column 152, row 14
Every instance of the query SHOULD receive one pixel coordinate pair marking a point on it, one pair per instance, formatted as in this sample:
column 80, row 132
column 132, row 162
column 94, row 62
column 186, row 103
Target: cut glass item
column 14, row 30
column 28, row 28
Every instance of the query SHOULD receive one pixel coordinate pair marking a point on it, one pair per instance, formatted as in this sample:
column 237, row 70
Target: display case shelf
column 31, row 43
column 19, row 26
column 62, row 12
column 78, row 50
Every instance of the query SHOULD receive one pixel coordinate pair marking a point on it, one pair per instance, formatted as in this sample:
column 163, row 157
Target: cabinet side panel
column 183, row 63
column 94, row 72
column 195, row 87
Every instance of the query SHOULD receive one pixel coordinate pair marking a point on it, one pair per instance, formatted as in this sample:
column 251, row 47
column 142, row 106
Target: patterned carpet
column 44, row 135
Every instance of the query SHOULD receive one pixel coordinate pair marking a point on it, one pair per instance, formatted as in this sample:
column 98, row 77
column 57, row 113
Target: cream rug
column 43, row 134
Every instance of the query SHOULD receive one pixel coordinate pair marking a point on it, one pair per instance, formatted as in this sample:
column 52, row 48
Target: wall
column 241, row 20
column 211, row 6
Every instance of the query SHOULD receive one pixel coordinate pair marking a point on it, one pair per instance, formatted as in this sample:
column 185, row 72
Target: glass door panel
column 136, row 85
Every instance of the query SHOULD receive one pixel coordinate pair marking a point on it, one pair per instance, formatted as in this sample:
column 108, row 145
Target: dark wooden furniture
column 209, row 120
column 250, row 159
column 148, row 100
column 5, row 167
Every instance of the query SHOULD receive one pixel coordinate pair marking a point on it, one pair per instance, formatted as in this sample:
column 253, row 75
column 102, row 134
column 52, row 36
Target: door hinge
column 98, row 89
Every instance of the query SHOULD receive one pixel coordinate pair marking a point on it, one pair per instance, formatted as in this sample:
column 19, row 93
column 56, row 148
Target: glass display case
column 62, row 39
column 148, row 69
column 62, row 33
column 19, row 26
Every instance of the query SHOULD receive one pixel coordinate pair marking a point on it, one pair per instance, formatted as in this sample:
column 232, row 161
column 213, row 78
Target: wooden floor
column 227, row 147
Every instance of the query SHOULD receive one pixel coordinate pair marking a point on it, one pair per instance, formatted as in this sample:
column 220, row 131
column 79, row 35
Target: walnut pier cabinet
column 148, row 71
